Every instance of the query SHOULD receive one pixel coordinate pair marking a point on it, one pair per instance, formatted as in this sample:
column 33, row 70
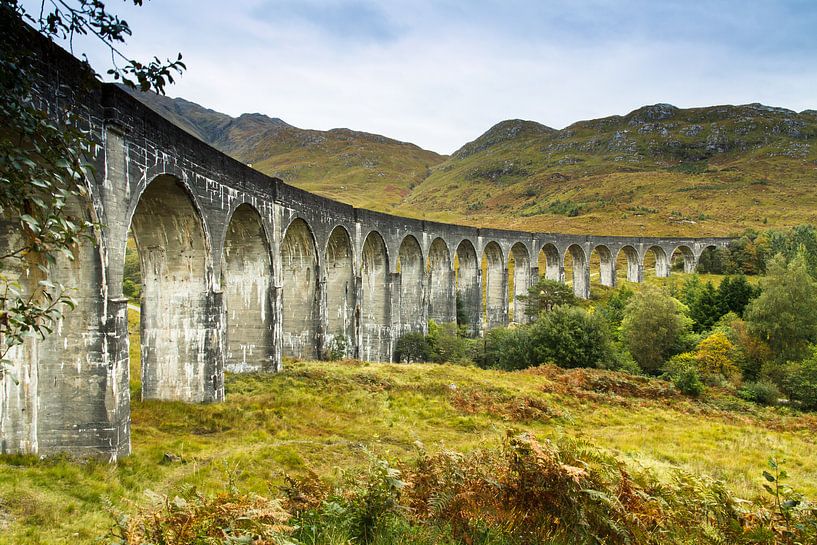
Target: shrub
column 800, row 381
column 682, row 371
column 445, row 344
column 763, row 392
column 506, row 348
column 131, row 290
column 714, row 356
column 570, row 337
column 192, row 517
column 412, row 347
column 337, row 349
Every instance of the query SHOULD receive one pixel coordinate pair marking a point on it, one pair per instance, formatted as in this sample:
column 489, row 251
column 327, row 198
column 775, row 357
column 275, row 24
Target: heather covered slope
column 359, row 168
column 323, row 417
column 659, row 170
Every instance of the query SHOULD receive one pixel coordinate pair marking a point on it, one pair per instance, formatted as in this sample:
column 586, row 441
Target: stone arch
column 660, row 261
column 410, row 267
column 340, row 292
column 179, row 334
column 581, row 271
column 494, row 286
column 607, row 267
column 550, row 263
column 687, row 255
column 709, row 260
column 299, row 291
column 521, row 281
column 469, row 306
column 441, row 304
column 375, row 304
column 631, row 266
column 246, row 272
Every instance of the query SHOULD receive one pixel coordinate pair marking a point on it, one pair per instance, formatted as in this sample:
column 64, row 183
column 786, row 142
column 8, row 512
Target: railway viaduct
column 240, row 269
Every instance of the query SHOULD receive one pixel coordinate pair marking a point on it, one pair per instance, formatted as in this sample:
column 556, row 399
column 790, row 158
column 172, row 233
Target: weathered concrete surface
column 240, row 269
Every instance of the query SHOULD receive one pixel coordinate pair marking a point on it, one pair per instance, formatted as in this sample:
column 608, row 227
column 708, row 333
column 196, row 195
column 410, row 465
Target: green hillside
column 658, row 170
column 359, row 168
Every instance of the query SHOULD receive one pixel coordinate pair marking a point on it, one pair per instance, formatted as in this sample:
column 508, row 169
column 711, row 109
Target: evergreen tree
column 545, row 295
column 705, row 308
column 735, row 293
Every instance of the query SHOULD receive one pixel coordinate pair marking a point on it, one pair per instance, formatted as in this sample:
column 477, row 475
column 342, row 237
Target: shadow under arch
column 180, row 345
column 340, row 294
column 519, row 281
column 606, row 265
column 493, row 286
column 628, row 264
column 469, row 297
column 411, row 269
column 656, row 260
column 688, row 257
column 580, row 271
column 246, row 272
column 299, row 291
column 375, row 300
column 441, row 304
column 550, row 263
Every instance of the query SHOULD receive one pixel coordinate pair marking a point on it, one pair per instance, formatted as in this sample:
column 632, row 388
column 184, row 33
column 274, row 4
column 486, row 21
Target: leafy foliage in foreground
column 524, row 492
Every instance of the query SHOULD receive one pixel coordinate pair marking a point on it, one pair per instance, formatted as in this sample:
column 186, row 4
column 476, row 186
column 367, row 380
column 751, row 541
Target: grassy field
column 320, row 416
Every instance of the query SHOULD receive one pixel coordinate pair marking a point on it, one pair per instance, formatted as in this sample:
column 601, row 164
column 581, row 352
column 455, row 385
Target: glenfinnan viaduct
column 240, row 269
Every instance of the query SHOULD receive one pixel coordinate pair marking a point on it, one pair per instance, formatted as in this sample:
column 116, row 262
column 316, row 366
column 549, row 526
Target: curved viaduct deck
column 240, row 269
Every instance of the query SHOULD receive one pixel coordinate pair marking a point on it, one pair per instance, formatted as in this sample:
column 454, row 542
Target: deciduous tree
column 653, row 326
column 785, row 313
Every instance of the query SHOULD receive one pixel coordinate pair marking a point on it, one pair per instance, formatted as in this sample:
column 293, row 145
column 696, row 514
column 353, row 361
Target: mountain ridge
column 657, row 170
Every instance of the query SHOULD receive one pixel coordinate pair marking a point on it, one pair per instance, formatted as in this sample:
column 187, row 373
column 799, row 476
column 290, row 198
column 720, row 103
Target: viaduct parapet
column 240, row 269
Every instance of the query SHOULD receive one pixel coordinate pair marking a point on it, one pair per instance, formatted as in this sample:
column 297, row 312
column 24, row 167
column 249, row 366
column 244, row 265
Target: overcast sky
column 440, row 73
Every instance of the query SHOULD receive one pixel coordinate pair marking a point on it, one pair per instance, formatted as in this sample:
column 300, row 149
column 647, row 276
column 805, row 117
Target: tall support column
column 392, row 331
column 277, row 325
column 582, row 288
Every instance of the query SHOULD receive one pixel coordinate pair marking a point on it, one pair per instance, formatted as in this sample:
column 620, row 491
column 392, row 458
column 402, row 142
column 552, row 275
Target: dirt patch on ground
column 497, row 403
column 599, row 385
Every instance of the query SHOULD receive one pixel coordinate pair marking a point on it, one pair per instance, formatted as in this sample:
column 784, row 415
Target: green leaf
column 769, row 477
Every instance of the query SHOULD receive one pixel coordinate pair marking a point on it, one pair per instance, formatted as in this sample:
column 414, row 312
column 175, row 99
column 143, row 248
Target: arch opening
column 410, row 269
column 493, row 287
column 299, row 293
column 178, row 324
column 657, row 261
column 375, row 329
column 246, row 278
column 340, row 294
column 518, row 282
column 683, row 259
column 469, row 298
column 711, row 261
column 550, row 264
column 628, row 265
column 441, row 304
column 601, row 259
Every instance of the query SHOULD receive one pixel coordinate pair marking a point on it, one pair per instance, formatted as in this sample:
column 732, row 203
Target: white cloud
column 440, row 80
